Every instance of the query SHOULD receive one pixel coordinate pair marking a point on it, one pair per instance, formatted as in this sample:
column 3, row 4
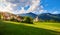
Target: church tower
column 36, row 19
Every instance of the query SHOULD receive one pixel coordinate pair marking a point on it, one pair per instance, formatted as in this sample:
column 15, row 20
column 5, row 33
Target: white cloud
column 34, row 5
column 10, row 5
column 55, row 12
column 40, row 10
column 5, row 7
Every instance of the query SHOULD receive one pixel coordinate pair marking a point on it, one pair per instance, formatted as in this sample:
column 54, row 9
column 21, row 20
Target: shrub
column 28, row 20
column 12, row 19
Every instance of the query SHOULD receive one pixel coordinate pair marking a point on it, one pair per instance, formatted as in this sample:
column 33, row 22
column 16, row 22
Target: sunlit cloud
column 17, row 6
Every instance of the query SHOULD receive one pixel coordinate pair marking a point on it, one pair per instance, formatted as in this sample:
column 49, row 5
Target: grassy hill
column 15, row 28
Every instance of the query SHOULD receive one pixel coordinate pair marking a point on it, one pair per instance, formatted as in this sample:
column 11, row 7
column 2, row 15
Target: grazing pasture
column 15, row 28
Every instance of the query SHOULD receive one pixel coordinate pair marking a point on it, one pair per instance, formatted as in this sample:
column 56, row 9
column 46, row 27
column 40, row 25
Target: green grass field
column 15, row 28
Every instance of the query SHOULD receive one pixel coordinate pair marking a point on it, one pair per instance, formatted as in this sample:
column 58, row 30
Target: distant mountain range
column 43, row 16
column 49, row 16
column 32, row 15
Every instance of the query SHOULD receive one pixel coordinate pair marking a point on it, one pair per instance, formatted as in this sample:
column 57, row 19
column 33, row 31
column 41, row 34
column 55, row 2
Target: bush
column 12, row 19
column 28, row 20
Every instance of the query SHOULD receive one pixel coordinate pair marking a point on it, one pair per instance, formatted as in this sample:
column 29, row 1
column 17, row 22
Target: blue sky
column 51, row 5
column 26, row 6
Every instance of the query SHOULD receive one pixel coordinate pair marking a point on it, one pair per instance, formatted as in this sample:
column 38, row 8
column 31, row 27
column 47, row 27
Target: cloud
column 17, row 6
column 34, row 5
column 39, row 10
column 55, row 12
column 5, row 7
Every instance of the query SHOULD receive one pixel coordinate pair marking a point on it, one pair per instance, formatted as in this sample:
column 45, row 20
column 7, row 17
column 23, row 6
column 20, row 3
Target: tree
column 13, row 19
column 28, row 20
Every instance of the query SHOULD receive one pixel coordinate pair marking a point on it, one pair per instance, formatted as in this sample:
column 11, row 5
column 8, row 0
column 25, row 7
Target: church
column 36, row 19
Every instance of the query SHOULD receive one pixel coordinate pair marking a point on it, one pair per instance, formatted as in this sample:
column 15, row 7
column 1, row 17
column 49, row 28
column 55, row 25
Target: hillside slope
column 15, row 28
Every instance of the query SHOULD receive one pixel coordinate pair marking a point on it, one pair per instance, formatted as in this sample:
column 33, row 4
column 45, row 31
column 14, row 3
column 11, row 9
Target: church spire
column 36, row 19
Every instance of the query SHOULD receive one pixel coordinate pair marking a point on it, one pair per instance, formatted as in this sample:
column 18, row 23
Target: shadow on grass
column 13, row 29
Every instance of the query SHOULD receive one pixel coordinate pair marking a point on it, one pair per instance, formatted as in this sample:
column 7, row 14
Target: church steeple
column 36, row 19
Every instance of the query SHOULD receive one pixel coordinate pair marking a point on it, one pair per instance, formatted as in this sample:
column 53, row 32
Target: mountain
column 32, row 15
column 43, row 16
column 49, row 16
